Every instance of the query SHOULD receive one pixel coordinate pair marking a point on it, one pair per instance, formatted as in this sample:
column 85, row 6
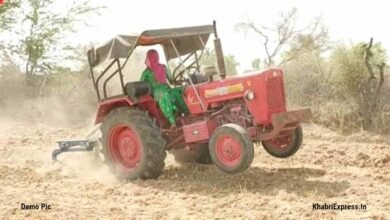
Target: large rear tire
column 132, row 144
column 284, row 146
column 231, row 148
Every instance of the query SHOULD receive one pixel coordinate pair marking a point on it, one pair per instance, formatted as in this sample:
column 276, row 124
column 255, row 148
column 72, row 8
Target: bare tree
column 371, row 88
column 285, row 31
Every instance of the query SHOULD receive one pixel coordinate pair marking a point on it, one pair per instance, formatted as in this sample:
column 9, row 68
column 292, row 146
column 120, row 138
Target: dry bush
column 63, row 98
column 343, row 117
column 67, row 98
column 346, row 118
column 307, row 81
column 73, row 94
column 315, row 82
column 11, row 85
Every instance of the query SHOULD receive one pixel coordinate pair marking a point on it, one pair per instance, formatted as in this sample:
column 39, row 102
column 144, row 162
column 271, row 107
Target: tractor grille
column 275, row 93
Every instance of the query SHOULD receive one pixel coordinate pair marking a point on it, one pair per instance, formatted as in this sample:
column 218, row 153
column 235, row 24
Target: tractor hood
column 267, row 87
column 185, row 39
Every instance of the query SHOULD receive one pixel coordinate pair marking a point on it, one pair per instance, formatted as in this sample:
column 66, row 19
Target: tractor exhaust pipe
column 219, row 53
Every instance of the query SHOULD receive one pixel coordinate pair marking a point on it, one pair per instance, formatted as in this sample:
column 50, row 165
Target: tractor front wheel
column 284, row 146
column 231, row 148
column 132, row 145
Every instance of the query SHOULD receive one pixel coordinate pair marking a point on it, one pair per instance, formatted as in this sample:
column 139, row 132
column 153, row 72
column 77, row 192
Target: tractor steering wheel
column 180, row 78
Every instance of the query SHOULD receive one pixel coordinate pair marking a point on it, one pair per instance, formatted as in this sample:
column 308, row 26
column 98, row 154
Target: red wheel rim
column 228, row 150
column 125, row 146
column 281, row 143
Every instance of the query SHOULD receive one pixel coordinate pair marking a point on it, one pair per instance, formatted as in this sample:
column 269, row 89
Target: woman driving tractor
column 169, row 99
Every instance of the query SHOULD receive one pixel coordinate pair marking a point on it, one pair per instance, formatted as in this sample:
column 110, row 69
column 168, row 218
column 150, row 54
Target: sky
column 347, row 21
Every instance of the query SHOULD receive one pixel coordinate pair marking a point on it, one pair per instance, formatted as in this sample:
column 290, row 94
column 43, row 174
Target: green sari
column 169, row 99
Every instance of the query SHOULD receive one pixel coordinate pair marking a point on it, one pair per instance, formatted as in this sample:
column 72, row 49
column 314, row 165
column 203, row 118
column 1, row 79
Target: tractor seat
column 198, row 78
column 207, row 74
column 137, row 89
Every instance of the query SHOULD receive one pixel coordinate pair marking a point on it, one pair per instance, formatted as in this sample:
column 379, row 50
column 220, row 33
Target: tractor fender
column 107, row 105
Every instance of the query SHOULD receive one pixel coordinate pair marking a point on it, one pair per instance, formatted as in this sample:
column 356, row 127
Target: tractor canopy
column 175, row 41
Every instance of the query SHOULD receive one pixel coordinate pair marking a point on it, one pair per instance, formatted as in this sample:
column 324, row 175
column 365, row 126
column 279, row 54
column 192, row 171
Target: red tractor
column 227, row 116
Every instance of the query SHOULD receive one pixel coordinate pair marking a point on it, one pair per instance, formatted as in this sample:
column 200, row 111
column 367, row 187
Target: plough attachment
column 86, row 144
column 73, row 146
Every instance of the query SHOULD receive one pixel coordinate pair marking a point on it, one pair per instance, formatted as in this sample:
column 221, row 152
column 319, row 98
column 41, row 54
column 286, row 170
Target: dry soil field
column 329, row 168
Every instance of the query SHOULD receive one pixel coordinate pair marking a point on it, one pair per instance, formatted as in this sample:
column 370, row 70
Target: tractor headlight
column 249, row 95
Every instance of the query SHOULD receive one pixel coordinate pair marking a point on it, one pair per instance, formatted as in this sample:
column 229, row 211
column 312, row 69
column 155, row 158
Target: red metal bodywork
column 199, row 131
column 267, row 86
column 224, row 101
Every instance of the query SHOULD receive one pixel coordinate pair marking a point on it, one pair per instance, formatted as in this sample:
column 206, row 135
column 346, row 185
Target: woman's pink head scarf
column 152, row 62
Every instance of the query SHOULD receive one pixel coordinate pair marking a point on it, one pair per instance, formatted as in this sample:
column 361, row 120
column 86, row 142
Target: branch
column 381, row 82
column 367, row 56
column 381, row 68
column 320, row 66
column 258, row 31
column 281, row 43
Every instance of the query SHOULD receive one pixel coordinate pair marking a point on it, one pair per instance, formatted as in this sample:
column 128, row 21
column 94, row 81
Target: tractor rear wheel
column 231, row 148
column 286, row 145
column 132, row 144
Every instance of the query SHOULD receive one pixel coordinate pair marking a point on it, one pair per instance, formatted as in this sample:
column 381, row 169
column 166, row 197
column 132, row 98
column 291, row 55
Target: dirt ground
column 330, row 168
